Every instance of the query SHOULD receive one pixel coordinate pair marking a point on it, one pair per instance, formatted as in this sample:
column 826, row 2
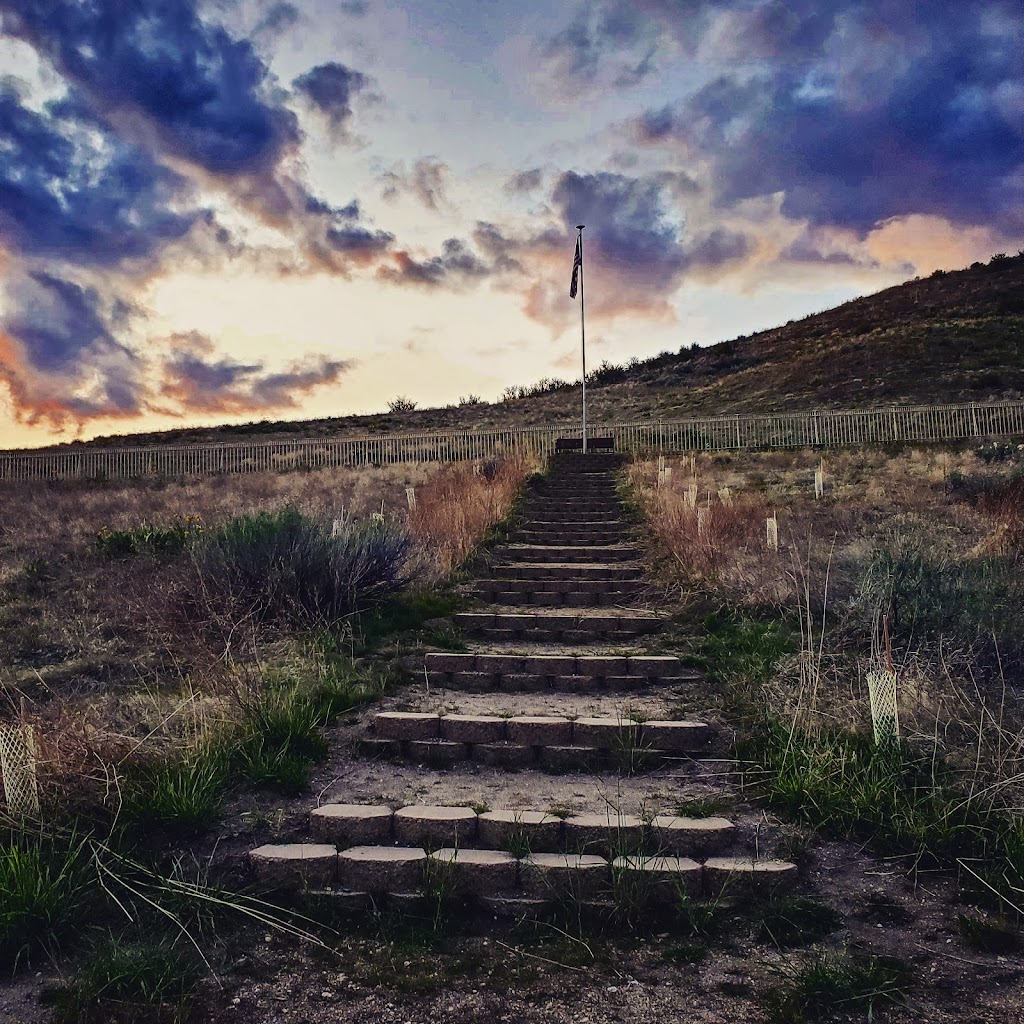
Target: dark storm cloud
column 860, row 113
column 456, row 265
column 630, row 226
column 55, row 319
column 59, row 355
column 344, row 234
column 330, row 88
column 201, row 92
column 197, row 382
column 90, row 207
column 69, row 188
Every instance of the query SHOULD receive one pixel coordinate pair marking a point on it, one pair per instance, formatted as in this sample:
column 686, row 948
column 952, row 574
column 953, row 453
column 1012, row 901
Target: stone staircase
column 557, row 685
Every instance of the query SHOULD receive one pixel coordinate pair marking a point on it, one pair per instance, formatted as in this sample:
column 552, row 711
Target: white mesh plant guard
column 885, row 717
column 18, row 768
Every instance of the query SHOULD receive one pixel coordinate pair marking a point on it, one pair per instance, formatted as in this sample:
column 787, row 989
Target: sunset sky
column 244, row 209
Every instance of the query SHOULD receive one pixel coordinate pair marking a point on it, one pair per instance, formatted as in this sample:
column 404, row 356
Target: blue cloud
column 71, row 189
column 203, row 92
column 856, row 117
column 330, row 88
column 629, row 224
column 199, row 383
column 456, row 265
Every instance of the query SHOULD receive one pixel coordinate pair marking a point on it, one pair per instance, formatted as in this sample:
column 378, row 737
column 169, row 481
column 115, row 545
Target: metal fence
column 819, row 429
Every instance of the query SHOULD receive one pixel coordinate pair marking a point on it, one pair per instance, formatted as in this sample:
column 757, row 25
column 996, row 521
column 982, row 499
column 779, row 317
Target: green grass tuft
column 130, row 981
column 44, row 895
column 829, row 985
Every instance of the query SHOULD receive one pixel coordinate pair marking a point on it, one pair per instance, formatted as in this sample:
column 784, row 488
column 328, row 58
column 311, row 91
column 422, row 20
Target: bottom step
column 485, row 874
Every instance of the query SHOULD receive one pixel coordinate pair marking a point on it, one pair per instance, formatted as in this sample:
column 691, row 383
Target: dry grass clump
column 700, row 539
column 455, row 508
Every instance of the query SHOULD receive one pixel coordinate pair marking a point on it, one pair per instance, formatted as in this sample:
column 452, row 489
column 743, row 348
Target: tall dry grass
column 456, row 507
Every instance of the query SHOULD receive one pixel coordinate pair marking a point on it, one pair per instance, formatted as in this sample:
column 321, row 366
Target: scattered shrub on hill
column 545, row 386
column 288, row 566
column 401, row 404
column 1010, row 302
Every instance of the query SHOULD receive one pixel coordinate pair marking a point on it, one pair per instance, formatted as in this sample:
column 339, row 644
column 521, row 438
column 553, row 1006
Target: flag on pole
column 576, row 264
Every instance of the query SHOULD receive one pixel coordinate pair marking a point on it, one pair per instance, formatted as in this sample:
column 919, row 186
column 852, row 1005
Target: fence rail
column 820, row 429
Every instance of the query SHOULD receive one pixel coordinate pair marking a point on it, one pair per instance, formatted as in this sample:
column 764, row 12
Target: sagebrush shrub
column 288, row 566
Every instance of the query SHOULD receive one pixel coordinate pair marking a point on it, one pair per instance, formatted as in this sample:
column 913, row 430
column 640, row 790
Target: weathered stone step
column 576, row 571
column 582, row 506
column 497, row 592
column 596, row 519
column 570, row 494
column 608, row 832
column 537, row 876
column 558, row 627
column 558, row 535
column 676, row 737
column 507, row 755
column 511, row 584
column 570, row 553
column 553, row 671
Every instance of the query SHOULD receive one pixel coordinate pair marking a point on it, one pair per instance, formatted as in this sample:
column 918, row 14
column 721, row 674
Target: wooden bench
column 594, row 444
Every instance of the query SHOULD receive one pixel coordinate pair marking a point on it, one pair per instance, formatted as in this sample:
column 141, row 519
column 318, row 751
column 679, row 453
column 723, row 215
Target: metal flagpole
column 583, row 340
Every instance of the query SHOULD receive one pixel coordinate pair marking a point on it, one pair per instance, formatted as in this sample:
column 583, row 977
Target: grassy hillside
column 951, row 337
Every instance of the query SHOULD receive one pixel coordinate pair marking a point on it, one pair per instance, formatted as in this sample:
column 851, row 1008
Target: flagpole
column 583, row 340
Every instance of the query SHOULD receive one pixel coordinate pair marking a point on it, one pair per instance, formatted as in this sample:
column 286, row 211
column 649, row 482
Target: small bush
column 401, row 404
column 287, row 566
column 988, row 935
column 281, row 737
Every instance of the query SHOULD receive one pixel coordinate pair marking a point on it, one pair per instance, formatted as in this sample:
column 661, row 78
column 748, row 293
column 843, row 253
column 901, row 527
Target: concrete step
column 596, row 553
column 541, row 877
column 562, row 538
column 488, row 673
column 513, row 585
column 578, row 571
column 559, row 627
column 552, row 743
column 608, row 832
column 593, row 595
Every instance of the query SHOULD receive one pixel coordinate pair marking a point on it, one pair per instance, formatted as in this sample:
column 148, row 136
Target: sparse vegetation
column 828, row 985
column 158, row 756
